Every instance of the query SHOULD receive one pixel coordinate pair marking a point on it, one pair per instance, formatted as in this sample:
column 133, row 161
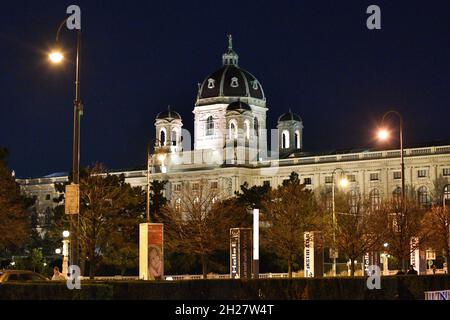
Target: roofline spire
column 230, row 42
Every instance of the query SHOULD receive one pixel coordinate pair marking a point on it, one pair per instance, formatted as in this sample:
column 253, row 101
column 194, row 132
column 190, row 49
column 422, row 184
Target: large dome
column 231, row 80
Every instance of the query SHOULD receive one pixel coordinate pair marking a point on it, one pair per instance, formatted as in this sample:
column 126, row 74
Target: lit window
column 285, row 139
column 210, row 126
column 211, row 83
column 351, row 178
column 421, row 173
column 423, row 197
column 233, row 129
column 297, row 139
column 375, row 199
column 397, row 194
column 447, row 195
column 162, row 137
column 256, row 126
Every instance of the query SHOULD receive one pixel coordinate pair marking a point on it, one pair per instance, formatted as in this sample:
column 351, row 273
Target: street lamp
column 57, row 57
column 343, row 182
column 384, row 134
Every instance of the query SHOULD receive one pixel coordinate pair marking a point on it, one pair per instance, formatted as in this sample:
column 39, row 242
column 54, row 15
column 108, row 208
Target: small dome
column 289, row 116
column 168, row 115
column 238, row 105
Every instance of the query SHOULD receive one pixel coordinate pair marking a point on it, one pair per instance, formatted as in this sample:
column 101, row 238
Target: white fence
column 197, row 276
column 437, row 295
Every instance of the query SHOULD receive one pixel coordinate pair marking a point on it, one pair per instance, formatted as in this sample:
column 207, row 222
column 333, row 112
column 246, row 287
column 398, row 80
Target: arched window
column 256, row 126
column 162, row 137
column 247, row 129
column 354, row 200
column 297, row 139
column 447, row 194
column 210, row 126
column 233, row 129
column 285, row 139
column 422, row 196
column 375, row 199
column 397, row 194
column 174, row 137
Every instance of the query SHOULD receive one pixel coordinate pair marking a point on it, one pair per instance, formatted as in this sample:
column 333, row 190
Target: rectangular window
column 307, row 181
column 446, row 172
column 374, row 177
column 329, row 179
column 195, row 187
column 177, row 187
column 397, row 175
column 266, row 183
column 214, row 185
column 351, row 178
column 421, row 173
column 47, row 197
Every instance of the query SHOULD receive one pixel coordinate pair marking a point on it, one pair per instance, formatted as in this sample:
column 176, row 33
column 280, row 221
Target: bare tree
column 290, row 210
column 358, row 228
column 437, row 227
column 110, row 214
column 197, row 222
column 404, row 221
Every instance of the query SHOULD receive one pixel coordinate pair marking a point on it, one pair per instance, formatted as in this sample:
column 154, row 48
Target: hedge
column 340, row 288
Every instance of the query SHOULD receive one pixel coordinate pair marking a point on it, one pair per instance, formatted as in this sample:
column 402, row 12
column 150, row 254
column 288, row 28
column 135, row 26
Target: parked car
column 21, row 275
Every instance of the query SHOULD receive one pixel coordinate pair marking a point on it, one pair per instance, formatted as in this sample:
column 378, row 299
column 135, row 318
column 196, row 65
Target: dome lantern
column 230, row 57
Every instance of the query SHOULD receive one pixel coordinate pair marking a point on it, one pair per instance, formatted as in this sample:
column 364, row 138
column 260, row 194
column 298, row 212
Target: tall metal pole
column 334, row 218
column 77, row 109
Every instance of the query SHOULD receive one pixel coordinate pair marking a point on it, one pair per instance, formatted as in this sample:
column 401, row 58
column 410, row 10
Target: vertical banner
column 371, row 258
column 313, row 254
column 151, row 251
column 255, row 243
column 241, row 253
column 417, row 256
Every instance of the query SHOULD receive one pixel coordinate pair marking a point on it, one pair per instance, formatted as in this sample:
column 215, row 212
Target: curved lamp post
column 57, row 57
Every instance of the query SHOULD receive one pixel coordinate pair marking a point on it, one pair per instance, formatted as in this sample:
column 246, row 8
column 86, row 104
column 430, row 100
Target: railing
column 200, row 158
column 437, row 295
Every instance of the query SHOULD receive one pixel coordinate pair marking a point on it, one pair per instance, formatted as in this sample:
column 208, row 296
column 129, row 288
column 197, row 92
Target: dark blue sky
column 315, row 57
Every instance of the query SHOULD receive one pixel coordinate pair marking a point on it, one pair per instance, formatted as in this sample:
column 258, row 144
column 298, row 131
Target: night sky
column 315, row 57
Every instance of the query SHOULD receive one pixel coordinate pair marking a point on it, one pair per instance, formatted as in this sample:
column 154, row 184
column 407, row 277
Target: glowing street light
column 383, row 134
column 66, row 234
column 58, row 251
column 56, row 56
column 343, row 182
